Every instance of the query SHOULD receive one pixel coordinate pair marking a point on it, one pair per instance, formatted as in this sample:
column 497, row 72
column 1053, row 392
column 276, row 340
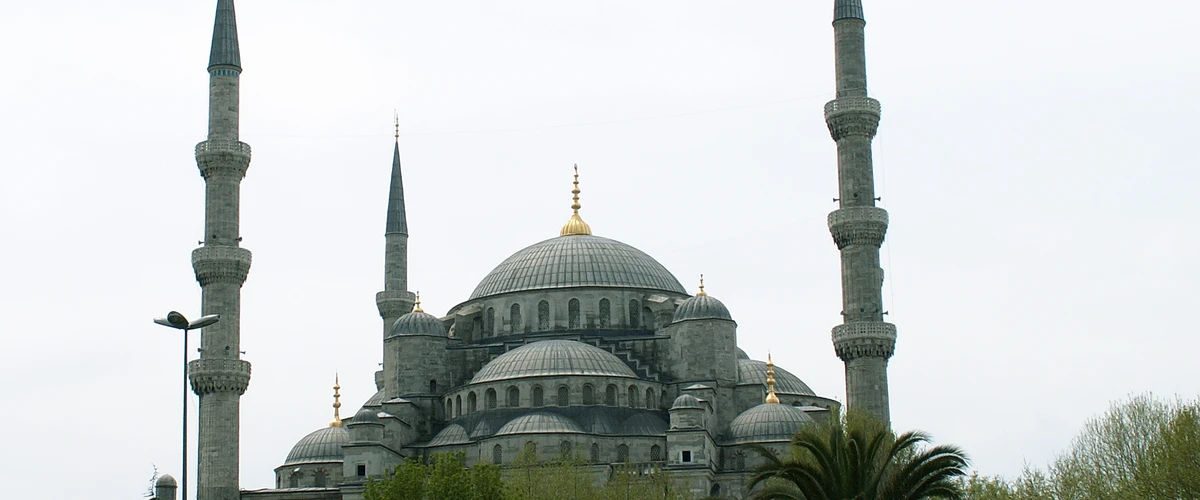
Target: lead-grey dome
column 539, row 423
column 166, row 481
column 686, row 401
column 701, row 307
column 643, row 424
column 418, row 323
column 752, row 371
column 452, row 434
column 553, row 357
column 768, row 422
column 577, row 261
column 322, row 445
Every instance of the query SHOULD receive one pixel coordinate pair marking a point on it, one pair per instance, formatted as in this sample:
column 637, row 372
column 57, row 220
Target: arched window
column 634, row 308
column 514, row 317
column 715, row 491
column 647, row 318
column 531, row 450
column 589, row 396
column 471, row 407
column 458, row 406
column 537, row 396
column 543, row 315
column 489, row 322
column 650, row 403
column 573, row 314
column 655, row 453
column 565, row 448
column 319, row 478
column 633, row 397
column 610, row 395
column 622, row 454
column 564, row 396
column 433, row 387
column 514, row 397
column 739, row 460
column 497, row 454
column 489, row 399
column 595, row 452
column 663, row 399
column 605, row 312
column 449, row 408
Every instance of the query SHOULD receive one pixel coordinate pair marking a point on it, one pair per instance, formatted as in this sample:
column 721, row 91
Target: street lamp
column 178, row 322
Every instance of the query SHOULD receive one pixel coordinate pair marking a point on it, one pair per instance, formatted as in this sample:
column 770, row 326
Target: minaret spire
column 225, row 51
column 397, row 221
column 863, row 341
column 395, row 300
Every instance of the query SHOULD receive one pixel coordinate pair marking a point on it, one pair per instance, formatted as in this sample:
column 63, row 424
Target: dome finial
column 575, row 225
column 396, row 117
column 337, row 403
column 417, row 304
column 771, row 397
column 701, row 293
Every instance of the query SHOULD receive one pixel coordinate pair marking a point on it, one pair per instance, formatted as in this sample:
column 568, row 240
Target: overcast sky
column 1037, row 159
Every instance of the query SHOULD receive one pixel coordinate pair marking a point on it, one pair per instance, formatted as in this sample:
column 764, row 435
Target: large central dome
column 577, row 261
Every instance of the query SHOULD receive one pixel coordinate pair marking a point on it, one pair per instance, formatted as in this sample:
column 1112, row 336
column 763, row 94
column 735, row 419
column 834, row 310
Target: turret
column 703, row 348
column 414, row 354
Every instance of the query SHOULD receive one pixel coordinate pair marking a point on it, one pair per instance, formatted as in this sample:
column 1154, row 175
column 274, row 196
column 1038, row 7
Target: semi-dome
column 452, row 434
column 576, row 261
column 701, row 307
column 752, row 371
column 323, row 445
column 418, row 323
column 553, row 357
column 598, row 422
column 768, row 422
column 539, row 423
column 686, row 401
column 643, row 424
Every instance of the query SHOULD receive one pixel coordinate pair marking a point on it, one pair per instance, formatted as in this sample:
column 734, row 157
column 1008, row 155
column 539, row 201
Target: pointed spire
column 575, row 225
column 701, row 293
column 397, row 221
column 771, row 397
column 417, row 304
column 225, row 50
column 337, row 403
column 848, row 9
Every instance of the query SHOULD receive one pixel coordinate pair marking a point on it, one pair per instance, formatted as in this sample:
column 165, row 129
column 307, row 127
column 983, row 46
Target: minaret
column 220, row 377
column 395, row 300
column 863, row 341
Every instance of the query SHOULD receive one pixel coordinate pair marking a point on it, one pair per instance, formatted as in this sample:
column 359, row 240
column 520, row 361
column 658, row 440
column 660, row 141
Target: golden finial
column 701, row 293
column 575, row 225
column 771, row 397
column 337, row 404
column 417, row 304
column 396, row 116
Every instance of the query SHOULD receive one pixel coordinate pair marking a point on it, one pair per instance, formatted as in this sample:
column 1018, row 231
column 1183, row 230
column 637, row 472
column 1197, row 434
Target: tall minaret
column 220, row 377
column 395, row 300
column 863, row 341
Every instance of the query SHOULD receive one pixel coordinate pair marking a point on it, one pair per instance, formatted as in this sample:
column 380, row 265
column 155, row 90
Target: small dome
column 166, row 481
column 701, row 307
column 418, row 323
column 643, row 424
column 323, row 445
column 742, row 354
column 366, row 416
column 755, row 372
column 686, row 401
column 768, row 422
column 553, row 358
column 452, row 434
column 539, row 423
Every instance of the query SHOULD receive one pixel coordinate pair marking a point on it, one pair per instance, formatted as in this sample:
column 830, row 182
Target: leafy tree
column 444, row 478
column 860, row 459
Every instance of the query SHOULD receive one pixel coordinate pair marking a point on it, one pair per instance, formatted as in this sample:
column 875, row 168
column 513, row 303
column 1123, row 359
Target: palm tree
column 862, row 461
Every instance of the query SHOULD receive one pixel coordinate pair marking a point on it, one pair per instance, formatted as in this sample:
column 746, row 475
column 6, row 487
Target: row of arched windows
column 574, row 317
column 565, row 449
column 512, row 399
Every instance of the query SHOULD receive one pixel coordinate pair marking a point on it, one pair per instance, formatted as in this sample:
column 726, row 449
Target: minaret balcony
column 852, row 105
column 221, row 264
column 209, row 375
column 223, row 146
column 860, row 339
column 223, row 157
column 858, row 226
column 852, row 116
column 394, row 303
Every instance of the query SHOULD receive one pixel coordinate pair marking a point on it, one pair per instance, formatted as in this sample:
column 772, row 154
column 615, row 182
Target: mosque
column 579, row 344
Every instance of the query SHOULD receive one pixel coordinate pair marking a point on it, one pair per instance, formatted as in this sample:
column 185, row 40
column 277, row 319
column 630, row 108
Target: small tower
column 863, row 341
column 703, row 349
column 165, row 488
column 395, row 300
column 415, row 358
column 220, row 377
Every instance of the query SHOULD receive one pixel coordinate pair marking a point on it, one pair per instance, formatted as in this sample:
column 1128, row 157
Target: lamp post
column 178, row 322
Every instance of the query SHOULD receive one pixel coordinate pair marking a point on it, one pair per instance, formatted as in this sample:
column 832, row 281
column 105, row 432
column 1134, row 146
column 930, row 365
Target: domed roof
column 577, row 261
column 643, row 424
column 452, row 434
column 418, row 323
column 166, row 481
column 553, row 357
column 539, row 423
column 768, row 422
column 686, row 401
column 742, row 354
column 701, row 307
column 597, row 422
column 366, row 416
column 322, row 445
column 751, row 371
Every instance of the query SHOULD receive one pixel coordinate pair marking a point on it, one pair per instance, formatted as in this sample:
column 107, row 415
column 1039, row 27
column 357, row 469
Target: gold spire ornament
column 337, row 404
column 701, row 293
column 575, row 225
column 771, row 397
column 417, row 304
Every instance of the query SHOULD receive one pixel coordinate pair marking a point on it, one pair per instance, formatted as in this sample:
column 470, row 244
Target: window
column 489, row 399
column 543, row 315
column 497, row 454
column 564, row 396
column 361, row 470
column 514, row 317
column 573, row 314
column 589, row 397
column 537, row 396
column 489, row 322
column 655, row 453
column 647, row 318
column 514, row 397
column 715, row 491
column 610, row 395
column 531, row 450
column 565, row 448
column 605, row 312
column 471, row 402
column 739, row 460
column 433, row 387
column 650, row 403
column 686, row 457
column 633, row 396
column 634, row 321
column 449, row 408
column 319, row 478
column 622, row 454
column 458, row 406
column 595, row 452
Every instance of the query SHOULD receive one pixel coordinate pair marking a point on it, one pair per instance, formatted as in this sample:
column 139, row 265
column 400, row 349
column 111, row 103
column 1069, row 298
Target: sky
column 1036, row 158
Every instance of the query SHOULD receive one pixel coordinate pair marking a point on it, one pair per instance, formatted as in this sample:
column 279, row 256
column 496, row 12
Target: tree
column 860, row 459
column 444, row 478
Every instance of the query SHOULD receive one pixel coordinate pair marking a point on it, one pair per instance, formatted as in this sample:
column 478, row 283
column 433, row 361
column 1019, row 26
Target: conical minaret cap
column 397, row 221
column 848, row 9
column 225, row 51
